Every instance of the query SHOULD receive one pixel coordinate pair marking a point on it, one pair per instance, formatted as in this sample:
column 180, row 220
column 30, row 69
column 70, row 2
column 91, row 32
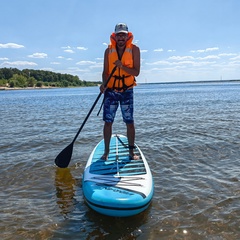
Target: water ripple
column 188, row 132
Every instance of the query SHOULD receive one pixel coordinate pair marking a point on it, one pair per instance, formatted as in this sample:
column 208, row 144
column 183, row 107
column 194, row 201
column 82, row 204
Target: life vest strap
column 124, row 87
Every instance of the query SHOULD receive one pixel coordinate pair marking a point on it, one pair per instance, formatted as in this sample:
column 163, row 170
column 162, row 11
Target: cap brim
column 121, row 31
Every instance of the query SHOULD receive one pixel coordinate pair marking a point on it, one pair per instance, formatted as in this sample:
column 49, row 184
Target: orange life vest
column 121, row 80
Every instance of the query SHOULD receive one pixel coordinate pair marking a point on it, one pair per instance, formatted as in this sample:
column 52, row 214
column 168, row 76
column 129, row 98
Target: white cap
column 121, row 28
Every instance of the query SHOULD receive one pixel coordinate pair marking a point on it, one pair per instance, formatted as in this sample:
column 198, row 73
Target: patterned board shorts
column 112, row 100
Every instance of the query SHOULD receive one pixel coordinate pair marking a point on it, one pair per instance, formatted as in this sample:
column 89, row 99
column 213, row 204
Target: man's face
column 121, row 39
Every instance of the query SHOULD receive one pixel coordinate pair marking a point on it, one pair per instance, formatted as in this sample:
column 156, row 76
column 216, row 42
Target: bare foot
column 134, row 157
column 104, row 156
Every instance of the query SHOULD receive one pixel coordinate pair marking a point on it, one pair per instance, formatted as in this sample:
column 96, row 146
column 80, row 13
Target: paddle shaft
column 85, row 120
column 94, row 104
column 64, row 157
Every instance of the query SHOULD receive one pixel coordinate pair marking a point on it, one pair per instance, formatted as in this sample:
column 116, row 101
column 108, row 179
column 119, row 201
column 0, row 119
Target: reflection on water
column 112, row 228
column 65, row 190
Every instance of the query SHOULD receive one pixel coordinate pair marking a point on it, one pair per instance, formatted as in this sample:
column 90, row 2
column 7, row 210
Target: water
column 190, row 134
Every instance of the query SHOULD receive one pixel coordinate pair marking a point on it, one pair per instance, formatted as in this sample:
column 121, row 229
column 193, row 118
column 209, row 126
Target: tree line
column 13, row 77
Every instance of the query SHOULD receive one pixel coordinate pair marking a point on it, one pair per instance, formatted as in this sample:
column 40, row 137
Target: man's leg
column 131, row 140
column 130, row 133
column 109, row 110
column 107, row 133
column 127, row 114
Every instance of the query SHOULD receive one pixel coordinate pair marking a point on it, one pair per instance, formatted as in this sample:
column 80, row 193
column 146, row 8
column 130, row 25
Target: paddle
column 64, row 157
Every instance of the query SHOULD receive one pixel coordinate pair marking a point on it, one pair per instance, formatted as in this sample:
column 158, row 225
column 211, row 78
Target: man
column 126, row 56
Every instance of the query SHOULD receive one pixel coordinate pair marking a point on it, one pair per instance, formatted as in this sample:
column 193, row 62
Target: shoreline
column 47, row 87
column 202, row 81
column 26, row 88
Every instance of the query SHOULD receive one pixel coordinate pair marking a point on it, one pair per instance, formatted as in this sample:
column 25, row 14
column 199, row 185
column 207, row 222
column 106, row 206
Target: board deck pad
column 118, row 161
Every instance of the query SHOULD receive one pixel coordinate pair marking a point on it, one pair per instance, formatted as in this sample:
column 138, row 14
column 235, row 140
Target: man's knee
column 130, row 125
column 108, row 124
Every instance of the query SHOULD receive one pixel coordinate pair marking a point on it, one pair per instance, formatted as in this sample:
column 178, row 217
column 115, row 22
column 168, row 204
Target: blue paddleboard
column 119, row 186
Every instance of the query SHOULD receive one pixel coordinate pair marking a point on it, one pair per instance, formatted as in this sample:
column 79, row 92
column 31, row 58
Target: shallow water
column 189, row 133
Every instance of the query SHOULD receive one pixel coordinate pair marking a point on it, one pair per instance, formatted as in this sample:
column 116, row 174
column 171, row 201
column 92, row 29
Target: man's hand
column 102, row 88
column 118, row 63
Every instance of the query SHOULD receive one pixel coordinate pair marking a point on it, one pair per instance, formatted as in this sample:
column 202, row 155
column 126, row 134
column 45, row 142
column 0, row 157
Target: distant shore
column 26, row 88
column 203, row 81
column 185, row 82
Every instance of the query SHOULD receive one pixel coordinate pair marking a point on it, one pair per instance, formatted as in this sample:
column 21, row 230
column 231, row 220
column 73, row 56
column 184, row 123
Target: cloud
column 96, row 65
column 209, row 57
column 85, row 63
column 180, row 63
column 55, row 63
column 18, row 64
column 38, row 55
column 234, row 63
column 82, row 48
column 4, row 59
column 143, row 51
column 212, row 49
column 47, row 69
column 10, row 45
column 158, row 50
column 227, row 54
column 163, row 62
column 68, row 47
column 205, row 50
column 75, row 70
column 235, row 58
column 171, row 50
column 61, row 57
column 180, row 58
column 69, row 51
column 200, row 64
column 198, row 51
column 183, row 62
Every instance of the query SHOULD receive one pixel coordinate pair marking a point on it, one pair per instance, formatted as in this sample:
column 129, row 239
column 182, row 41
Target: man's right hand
column 102, row 88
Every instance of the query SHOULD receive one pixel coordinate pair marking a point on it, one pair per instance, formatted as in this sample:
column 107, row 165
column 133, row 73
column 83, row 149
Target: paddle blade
column 64, row 157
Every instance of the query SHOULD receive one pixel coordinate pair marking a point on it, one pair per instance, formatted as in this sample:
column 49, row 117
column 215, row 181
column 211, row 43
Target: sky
column 179, row 40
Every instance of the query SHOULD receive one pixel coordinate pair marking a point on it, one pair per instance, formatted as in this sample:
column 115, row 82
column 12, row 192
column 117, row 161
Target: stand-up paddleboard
column 119, row 186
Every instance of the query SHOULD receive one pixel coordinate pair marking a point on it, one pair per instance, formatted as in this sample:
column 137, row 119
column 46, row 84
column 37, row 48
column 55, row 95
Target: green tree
column 11, row 83
column 19, row 80
column 31, row 82
column 3, row 82
column 39, row 84
column 6, row 73
column 31, row 77
column 65, row 83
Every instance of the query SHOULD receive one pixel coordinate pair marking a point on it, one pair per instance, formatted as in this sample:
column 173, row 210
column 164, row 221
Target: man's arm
column 105, row 70
column 105, row 67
